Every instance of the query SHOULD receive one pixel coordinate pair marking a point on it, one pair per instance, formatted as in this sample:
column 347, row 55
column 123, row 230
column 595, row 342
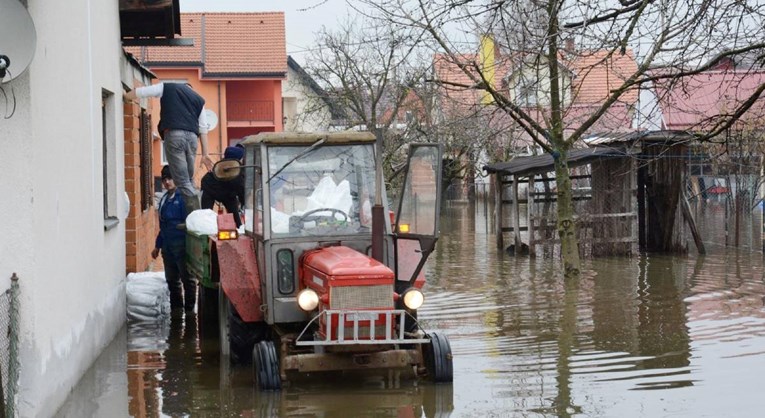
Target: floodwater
column 649, row 336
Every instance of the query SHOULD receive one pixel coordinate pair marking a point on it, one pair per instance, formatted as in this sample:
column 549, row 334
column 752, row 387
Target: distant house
column 238, row 63
column 586, row 79
column 307, row 107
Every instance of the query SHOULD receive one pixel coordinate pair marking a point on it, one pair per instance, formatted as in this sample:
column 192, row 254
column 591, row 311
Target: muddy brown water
column 649, row 336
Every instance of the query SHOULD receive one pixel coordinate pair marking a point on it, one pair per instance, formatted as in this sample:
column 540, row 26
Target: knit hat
column 236, row 153
column 166, row 173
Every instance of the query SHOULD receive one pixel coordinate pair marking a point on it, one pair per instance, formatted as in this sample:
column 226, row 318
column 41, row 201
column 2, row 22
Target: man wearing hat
column 172, row 242
column 229, row 193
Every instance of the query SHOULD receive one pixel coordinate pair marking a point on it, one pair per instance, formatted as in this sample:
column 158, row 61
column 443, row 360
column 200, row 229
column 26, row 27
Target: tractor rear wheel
column 207, row 312
column 224, row 310
column 265, row 366
column 438, row 358
column 243, row 336
column 237, row 337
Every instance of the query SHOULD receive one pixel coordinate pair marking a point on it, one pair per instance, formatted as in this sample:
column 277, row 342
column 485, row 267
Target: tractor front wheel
column 438, row 358
column 265, row 366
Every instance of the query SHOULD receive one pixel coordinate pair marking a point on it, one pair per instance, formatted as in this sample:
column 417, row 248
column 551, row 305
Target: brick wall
column 141, row 224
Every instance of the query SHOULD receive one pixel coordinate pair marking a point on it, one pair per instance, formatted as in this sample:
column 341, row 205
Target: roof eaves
column 279, row 75
column 173, row 63
column 131, row 59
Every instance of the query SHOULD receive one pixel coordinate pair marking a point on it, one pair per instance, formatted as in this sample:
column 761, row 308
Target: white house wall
column 312, row 112
column 71, row 270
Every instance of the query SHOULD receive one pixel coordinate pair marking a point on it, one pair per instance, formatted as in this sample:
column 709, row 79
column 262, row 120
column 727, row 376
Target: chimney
column 569, row 45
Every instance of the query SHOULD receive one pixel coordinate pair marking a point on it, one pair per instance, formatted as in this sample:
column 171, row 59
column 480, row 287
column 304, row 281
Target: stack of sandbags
column 148, row 298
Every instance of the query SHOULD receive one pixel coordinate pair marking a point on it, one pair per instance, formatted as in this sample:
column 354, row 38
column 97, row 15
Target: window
column 108, row 148
column 145, row 149
column 285, row 271
column 525, row 92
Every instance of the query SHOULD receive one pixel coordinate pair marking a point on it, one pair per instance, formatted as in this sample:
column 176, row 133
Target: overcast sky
column 303, row 17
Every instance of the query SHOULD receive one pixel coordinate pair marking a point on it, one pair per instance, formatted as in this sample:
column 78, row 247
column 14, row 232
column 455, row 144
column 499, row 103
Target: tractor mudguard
column 239, row 277
column 409, row 255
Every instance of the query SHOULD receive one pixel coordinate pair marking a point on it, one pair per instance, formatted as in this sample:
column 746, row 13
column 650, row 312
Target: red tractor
column 325, row 277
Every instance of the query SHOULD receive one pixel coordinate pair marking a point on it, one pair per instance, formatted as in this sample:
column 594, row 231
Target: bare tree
column 541, row 40
column 366, row 68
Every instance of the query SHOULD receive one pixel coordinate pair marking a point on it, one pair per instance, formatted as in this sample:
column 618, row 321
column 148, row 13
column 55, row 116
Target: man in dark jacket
column 229, row 193
column 182, row 121
column 172, row 242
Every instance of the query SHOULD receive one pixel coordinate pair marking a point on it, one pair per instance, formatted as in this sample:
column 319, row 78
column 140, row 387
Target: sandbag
column 148, row 298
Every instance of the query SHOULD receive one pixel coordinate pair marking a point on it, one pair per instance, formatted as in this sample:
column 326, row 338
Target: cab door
column 416, row 227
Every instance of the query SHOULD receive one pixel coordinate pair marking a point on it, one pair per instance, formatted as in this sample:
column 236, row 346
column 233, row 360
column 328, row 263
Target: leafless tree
column 548, row 46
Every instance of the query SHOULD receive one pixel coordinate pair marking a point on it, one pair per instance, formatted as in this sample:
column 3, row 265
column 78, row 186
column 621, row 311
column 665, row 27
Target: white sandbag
column 202, row 222
column 148, row 298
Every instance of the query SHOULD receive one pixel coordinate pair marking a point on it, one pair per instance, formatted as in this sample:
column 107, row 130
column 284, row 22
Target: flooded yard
column 649, row 336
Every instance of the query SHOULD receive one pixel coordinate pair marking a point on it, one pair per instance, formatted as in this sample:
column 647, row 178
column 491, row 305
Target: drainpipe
column 220, row 123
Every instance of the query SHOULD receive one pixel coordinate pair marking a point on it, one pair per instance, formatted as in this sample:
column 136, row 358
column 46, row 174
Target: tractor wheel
column 207, row 312
column 224, row 310
column 265, row 366
column 243, row 336
column 237, row 337
column 438, row 358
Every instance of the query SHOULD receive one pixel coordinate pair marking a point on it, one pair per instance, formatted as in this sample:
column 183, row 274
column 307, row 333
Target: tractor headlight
column 413, row 298
column 308, row 300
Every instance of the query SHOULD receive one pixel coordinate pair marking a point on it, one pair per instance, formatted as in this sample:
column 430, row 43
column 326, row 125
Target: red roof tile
column 596, row 74
column 227, row 44
column 697, row 102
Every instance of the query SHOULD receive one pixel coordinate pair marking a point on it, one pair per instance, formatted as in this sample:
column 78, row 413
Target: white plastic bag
column 202, row 222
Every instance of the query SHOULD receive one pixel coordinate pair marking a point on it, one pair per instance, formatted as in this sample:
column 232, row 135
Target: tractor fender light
column 413, row 298
column 227, row 235
column 308, row 300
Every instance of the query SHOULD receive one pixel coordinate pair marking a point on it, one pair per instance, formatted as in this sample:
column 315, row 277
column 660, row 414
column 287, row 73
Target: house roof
column 597, row 73
column 448, row 70
column 697, row 102
column 226, row 45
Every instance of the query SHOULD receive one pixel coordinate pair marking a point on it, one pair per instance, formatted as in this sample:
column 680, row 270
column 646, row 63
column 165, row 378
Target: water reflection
column 173, row 372
column 643, row 336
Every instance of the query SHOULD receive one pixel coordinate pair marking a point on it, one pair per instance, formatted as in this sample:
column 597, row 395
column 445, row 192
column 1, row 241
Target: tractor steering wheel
column 309, row 216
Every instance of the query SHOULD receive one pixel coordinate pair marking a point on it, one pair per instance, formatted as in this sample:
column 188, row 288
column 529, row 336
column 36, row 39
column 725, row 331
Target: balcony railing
column 250, row 111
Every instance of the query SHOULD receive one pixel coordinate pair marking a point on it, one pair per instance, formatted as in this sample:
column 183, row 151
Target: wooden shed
column 629, row 196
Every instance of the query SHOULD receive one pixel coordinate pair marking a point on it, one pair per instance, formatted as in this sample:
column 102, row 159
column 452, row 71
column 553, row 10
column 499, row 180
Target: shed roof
column 523, row 166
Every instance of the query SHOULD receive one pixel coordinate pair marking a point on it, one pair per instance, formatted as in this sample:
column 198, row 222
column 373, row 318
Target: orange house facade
column 238, row 62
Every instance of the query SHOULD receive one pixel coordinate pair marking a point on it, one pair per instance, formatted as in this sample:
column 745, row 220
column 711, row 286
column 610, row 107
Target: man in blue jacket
column 172, row 242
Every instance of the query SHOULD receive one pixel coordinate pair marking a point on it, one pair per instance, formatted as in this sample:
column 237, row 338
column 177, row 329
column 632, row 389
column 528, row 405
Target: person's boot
column 191, row 203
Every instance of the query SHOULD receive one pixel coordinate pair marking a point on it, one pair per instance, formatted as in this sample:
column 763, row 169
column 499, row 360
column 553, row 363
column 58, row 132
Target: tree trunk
column 569, row 245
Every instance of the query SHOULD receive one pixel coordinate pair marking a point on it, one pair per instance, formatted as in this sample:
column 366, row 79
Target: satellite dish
column 17, row 39
column 212, row 119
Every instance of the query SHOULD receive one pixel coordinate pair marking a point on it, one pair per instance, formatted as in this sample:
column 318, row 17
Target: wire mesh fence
column 9, row 334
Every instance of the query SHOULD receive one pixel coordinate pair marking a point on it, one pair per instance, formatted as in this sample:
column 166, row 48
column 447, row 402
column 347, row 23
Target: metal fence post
column 13, row 349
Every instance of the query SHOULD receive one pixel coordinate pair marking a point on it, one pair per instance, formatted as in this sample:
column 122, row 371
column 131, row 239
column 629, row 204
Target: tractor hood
column 342, row 262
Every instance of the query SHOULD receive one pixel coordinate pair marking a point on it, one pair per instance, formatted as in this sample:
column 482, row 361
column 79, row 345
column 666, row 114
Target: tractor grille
column 361, row 297
column 364, row 332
